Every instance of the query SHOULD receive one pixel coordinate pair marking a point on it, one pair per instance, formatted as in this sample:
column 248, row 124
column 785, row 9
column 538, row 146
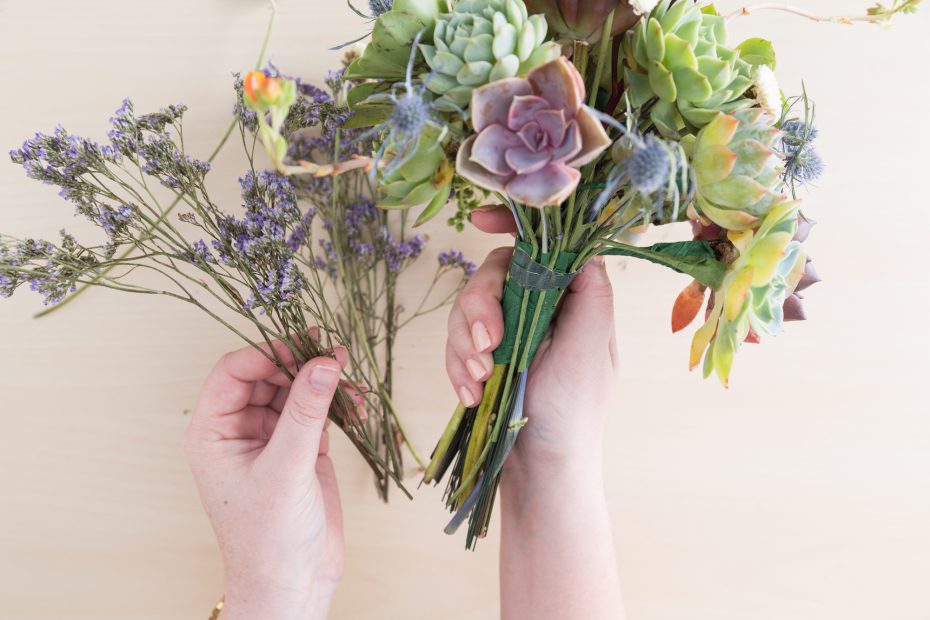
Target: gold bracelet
column 217, row 609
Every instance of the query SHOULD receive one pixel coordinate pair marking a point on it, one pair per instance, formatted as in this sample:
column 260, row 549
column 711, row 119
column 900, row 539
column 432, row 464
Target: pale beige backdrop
column 802, row 493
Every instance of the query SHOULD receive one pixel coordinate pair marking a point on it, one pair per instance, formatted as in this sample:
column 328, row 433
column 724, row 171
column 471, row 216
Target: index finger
column 480, row 301
column 494, row 219
column 230, row 384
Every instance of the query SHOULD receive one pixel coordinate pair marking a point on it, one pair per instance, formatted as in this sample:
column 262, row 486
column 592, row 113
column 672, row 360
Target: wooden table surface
column 801, row 493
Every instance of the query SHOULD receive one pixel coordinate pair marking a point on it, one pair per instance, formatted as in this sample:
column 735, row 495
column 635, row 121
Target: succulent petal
column 551, row 185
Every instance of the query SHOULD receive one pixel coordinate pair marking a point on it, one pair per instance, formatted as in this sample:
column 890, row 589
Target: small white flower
column 766, row 90
column 641, row 7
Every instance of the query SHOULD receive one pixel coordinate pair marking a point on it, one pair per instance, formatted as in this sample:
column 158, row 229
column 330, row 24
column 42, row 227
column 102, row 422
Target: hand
column 257, row 445
column 557, row 555
column 573, row 376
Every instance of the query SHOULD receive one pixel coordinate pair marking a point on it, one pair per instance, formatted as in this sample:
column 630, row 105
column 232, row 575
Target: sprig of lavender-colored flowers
column 264, row 265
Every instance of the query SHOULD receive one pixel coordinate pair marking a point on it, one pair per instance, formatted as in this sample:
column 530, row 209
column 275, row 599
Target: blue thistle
column 380, row 7
column 649, row 166
column 411, row 113
column 797, row 133
column 803, row 165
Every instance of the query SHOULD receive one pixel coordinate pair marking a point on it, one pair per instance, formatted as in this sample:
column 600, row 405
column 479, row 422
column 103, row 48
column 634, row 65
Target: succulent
column 531, row 135
column 482, row 41
column 387, row 54
column 422, row 176
column 679, row 55
column 751, row 298
column 737, row 171
column 584, row 21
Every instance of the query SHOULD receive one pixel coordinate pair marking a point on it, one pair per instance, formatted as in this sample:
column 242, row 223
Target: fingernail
column 324, row 377
column 475, row 369
column 481, row 336
column 467, row 398
column 599, row 260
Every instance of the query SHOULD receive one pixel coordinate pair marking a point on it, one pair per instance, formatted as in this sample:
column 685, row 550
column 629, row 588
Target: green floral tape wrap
column 540, row 287
column 535, row 283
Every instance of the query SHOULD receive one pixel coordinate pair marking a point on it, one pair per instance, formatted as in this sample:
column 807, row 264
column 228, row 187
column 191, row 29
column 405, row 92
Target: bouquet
column 587, row 121
column 590, row 121
column 308, row 259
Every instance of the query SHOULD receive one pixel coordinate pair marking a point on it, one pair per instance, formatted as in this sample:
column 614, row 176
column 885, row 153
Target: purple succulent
column 532, row 135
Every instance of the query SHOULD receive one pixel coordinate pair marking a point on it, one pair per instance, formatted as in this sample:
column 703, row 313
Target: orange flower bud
column 254, row 84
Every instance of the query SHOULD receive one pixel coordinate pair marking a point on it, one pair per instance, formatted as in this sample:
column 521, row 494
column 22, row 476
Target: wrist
column 278, row 603
column 529, row 482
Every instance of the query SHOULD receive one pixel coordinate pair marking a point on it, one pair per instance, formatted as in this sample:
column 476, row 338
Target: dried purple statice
column 455, row 259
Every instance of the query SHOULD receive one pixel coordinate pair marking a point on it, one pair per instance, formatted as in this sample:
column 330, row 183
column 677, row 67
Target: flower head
column 649, row 165
column 532, row 134
column 768, row 93
column 455, row 259
column 803, row 164
column 380, row 7
column 261, row 90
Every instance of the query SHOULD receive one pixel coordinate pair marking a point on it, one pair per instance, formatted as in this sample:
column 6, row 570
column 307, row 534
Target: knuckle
column 307, row 410
column 500, row 254
column 472, row 301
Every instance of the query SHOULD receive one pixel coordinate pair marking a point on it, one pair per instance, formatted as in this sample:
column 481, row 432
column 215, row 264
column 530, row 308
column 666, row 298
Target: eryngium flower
column 584, row 21
column 803, row 164
column 532, row 135
column 737, row 170
column 679, row 55
column 483, row 41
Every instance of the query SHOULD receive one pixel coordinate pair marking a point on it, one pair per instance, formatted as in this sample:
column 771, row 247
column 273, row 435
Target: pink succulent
column 532, row 134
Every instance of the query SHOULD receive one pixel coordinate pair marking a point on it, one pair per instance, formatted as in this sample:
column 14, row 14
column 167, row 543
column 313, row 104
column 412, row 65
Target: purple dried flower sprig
column 273, row 263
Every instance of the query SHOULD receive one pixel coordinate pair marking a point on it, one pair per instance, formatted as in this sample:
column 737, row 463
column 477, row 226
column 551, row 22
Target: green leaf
column 662, row 82
column 655, row 41
column 365, row 115
column 694, row 258
column 434, row 207
column 359, row 93
column 757, row 52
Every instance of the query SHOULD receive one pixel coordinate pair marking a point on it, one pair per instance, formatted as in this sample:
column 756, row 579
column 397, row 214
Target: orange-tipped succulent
column 756, row 296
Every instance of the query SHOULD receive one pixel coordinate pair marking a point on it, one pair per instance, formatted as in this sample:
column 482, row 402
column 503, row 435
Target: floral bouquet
column 586, row 122
column 589, row 121
column 305, row 266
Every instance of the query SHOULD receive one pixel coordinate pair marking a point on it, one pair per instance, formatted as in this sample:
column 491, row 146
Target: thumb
column 295, row 441
column 585, row 322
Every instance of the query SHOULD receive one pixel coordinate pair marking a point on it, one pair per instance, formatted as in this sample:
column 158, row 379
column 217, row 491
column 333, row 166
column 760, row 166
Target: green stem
column 161, row 219
column 602, row 52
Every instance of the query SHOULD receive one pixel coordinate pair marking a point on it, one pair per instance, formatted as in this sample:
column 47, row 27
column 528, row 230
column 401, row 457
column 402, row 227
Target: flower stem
column 603, row 50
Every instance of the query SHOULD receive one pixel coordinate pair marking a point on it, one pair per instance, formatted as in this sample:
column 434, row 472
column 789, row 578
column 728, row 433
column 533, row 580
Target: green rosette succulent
column 387, row 54
column 679, row 55
column 737, row 170
column 483, row 41
column 423, row 176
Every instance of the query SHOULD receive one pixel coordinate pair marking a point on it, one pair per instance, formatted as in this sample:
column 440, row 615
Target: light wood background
column 803, row 492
